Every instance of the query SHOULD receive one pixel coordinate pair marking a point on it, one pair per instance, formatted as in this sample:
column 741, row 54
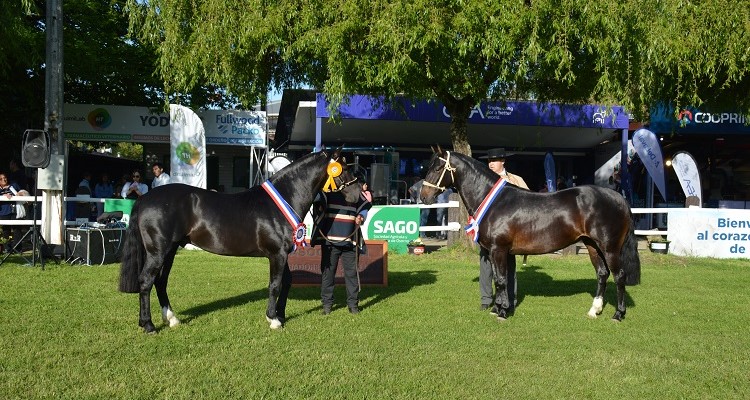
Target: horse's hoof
column 592, row 315
column 274, row 323
column 149, row 328
column 169, row 318
column 618, row 317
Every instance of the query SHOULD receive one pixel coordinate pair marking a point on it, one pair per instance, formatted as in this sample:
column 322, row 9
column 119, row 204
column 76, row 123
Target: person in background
column 496, row 162
column 135, row 189
column 442, row 212
column 17, row 175
column 103, row 190
column 120, row 184
column 336, row 229
column 543, row 187
column 7, row 208
column 366, row 191
column 86, row 181
column 160, row 177
column 424, row 213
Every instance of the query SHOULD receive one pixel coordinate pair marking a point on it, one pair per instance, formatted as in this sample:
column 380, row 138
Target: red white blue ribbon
column 300, row 230
column 473, row 228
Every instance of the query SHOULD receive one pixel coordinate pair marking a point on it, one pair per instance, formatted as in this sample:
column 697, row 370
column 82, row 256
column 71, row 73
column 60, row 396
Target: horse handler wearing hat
column 496, row 161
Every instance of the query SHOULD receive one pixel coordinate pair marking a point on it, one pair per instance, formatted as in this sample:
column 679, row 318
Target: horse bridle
column 344, row 184
column 446, row 167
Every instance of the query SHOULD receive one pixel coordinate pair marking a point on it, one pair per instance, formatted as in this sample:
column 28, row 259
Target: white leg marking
column 275, row 323
column 596, row 307
column 167, row 315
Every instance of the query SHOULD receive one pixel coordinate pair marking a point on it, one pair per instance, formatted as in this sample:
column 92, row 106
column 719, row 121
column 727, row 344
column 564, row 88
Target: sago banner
column 188, row 147
column 396, row 224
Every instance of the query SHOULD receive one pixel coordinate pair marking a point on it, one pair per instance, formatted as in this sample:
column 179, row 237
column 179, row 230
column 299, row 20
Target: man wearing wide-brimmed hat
column 496, row 161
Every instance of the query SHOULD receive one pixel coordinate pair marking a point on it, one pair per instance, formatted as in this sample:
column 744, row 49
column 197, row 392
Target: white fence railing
column 451, row 226
column 456, row 226
column 30, row 199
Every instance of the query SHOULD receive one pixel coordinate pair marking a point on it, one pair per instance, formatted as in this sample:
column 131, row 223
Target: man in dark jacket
column 337, row 231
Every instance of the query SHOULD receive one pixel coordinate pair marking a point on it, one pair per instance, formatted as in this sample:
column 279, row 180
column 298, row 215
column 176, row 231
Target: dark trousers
column 424, row 216
column 486, row 281
column 328, row 263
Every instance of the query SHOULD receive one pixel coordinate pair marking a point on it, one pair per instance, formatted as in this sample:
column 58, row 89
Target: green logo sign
column 397, row 225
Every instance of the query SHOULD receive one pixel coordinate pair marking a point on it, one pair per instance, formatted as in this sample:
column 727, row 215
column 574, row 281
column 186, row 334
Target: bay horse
column 517, row 221
column 246, row 224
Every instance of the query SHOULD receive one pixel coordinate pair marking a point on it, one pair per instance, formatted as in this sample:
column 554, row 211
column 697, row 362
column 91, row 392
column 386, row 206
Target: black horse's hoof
column 502, row 314
column 618, row 317
column 149, row 327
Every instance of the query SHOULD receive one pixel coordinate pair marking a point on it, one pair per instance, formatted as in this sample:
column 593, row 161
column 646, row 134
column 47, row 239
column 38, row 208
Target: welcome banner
column 188, row 146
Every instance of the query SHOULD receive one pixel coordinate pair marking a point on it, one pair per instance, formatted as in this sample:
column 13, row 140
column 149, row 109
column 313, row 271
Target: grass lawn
column 66, row 332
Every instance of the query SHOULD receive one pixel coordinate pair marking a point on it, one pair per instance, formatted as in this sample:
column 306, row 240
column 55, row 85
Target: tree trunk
column 459, row 111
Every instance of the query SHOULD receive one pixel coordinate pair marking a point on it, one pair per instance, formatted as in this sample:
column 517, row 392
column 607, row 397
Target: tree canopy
column 633, row 53
column 102, row 64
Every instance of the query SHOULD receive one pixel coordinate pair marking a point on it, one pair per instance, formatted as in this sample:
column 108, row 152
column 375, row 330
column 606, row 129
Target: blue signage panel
column 488, row 112
column 694, row 120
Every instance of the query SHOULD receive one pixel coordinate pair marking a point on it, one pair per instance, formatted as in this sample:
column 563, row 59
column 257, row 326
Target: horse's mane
column 301, row 164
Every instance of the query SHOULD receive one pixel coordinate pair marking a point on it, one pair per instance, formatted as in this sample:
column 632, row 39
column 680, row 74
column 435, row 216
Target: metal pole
column 53, row 215
column 54, row 76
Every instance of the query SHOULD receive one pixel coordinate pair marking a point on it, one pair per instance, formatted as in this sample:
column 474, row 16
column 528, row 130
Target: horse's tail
column 132, row 256
column 629, row 259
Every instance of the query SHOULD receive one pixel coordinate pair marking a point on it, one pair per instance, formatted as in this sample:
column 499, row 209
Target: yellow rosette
column 334, row 169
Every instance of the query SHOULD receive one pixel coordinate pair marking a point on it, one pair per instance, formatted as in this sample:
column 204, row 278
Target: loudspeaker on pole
column 35, row 152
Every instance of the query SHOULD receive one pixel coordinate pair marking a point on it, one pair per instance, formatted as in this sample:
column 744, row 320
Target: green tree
column 21, row 49
column 102, row 64
column 634, row 53
column 237, row 45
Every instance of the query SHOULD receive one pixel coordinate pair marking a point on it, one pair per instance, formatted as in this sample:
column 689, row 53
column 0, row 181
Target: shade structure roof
column 365, row 120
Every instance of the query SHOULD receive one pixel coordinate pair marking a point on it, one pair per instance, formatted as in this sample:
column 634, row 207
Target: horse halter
column 446, row 167
column 343, row 185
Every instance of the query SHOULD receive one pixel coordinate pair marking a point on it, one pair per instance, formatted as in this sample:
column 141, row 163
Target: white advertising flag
column 647, row 146
column 687, row 172
column 188, row 147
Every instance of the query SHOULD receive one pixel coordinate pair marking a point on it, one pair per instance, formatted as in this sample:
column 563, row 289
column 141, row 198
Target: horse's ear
column 436, row 149
column 337, row 153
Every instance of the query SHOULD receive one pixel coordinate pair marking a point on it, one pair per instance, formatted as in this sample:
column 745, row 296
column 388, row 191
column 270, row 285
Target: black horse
column 521, row 222
column 247, row 224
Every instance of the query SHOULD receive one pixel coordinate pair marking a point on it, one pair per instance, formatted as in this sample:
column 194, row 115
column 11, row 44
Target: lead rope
column 356, row 260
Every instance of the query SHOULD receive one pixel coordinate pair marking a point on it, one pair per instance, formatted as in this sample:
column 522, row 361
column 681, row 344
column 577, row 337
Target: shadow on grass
column 533, row 282
column 398, row 282
column 223, row 304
